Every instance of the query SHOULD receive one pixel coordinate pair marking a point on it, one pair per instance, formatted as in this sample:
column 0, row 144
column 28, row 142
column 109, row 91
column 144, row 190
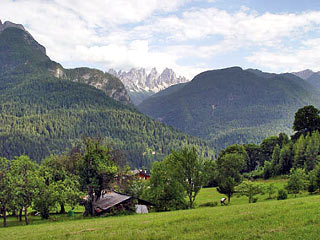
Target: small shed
column 114, row 201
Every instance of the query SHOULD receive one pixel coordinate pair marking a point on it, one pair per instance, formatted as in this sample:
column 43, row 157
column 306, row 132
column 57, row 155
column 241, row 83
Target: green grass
column 212, row 195
column 295, row 218
column 289, row 219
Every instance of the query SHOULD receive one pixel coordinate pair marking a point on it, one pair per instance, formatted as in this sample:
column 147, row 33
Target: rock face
column 19, row 50
column 141, row 85
column 111, row 85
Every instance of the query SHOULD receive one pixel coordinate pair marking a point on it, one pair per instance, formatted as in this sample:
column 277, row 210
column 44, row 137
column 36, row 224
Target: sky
column 189, row 36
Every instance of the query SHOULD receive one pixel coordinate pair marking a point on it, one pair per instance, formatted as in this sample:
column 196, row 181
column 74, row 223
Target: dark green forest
column 232, row 105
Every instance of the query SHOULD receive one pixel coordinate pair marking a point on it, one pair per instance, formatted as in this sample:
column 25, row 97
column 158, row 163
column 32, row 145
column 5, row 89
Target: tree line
column 175, row 182
column 237, row 165
column 60, row 180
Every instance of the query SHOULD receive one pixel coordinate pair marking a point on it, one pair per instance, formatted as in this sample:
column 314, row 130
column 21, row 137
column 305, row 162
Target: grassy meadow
column 295, row 218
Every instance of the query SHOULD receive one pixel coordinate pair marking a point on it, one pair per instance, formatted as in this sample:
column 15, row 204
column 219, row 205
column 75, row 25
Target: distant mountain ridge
column 232, row 105
column 141, row 84
column 310, row 76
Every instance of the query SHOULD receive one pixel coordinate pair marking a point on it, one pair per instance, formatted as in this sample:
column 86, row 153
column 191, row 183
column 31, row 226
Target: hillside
column 46, row 109
column 232, row 105
column 287, row 219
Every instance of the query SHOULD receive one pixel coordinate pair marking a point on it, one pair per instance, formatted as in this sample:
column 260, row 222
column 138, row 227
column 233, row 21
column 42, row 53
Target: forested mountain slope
column 45, row 109
column 232, row 105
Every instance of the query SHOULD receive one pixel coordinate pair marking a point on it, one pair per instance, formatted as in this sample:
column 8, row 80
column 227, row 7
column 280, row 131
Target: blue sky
column 189, row 36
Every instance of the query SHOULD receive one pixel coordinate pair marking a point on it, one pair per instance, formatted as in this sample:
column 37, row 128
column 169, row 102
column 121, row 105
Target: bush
column 209, row 204
column 282, row 194
column 254, row 174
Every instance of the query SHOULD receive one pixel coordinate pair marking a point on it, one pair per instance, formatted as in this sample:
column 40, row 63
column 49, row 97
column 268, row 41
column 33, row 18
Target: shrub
column 271, row 189
column 209, row 204
column 282, row 194
column 254, row 174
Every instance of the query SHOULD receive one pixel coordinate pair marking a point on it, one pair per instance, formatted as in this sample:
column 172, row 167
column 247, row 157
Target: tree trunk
column 4, row 216
column 190, row 201
column 229, row 199
column 20, row 215
column 93, row 201
column 26, row 215
column 62, row 209
column 45, row 214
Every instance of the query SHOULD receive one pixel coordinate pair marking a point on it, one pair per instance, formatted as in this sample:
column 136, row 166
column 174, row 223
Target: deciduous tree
column 249, row 189
column 191, row 167
column 26, row 182
column 96, row 171
column 6, row 188
column 297, row 181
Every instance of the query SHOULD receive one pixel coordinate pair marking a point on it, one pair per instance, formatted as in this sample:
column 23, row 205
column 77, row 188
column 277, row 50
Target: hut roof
column 110, row 199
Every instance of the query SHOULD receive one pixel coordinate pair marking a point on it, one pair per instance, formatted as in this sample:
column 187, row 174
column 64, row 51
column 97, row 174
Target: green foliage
column 209, row 204
column 312, row 151
column 230, row 163
column 165, row 188
column 275, row 162
column 306, row 120
column 297, row 181
column 25, row 181
column 96, row 171
column 267, row 170
column 249, row 189
column 192, row 170
column 6, row 187
column 57, row 186
column 267, row 147
column 255, row 174
column 282, row 194
column 254, row 157
column 270, row 189
column 286, row 158
column 312, row 181
column 299, row 152
column 47, row 194
column 227, row 186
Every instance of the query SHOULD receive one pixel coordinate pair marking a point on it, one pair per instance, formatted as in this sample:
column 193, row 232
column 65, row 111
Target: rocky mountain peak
column 26, row 35
column 141, row 84
column 8, row 24
column 137, row 79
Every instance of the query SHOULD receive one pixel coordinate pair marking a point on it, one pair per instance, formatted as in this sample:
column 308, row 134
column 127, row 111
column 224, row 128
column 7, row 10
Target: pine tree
column 276, row 161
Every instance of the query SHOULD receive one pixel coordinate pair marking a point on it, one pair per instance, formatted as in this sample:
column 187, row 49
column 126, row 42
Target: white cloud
column 241, row 26
column 290, row 59
column 148, row 33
